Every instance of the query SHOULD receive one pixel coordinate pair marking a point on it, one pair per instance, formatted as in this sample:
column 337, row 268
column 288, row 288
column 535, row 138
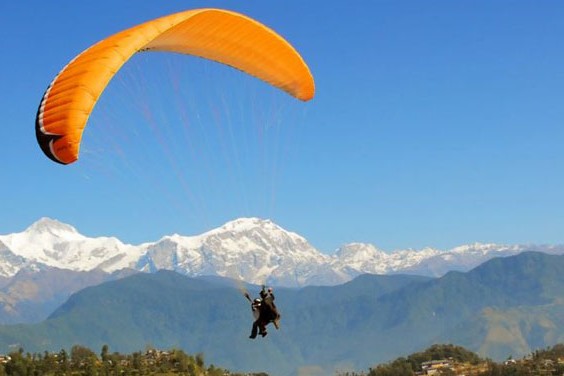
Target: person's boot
column 253, row 334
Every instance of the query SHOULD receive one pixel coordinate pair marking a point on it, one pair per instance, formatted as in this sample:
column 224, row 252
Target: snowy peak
column 51, row 227
column 358, row 258
column 251, row 234
column 246, row 224
column 56, row 244
column 481, row 248
column 251, row 249
column 45, row 235
column 359, row 252
column 257, row 226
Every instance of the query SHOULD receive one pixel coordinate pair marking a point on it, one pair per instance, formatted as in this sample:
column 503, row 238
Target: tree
column 17, row 365
column 63, row 360
column 83, row 358
column 104, row 353
column 399, row 367
column 137, row 363
column 48, row 363
column 200, row 360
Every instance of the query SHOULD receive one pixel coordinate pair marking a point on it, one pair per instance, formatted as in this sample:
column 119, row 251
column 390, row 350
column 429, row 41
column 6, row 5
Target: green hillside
column 507, row 306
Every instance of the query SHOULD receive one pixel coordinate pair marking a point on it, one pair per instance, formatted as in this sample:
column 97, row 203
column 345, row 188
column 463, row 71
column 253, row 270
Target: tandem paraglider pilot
column 264, row 312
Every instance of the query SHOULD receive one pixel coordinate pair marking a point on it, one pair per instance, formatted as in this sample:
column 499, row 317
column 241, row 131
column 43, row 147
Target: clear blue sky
column 435, row 123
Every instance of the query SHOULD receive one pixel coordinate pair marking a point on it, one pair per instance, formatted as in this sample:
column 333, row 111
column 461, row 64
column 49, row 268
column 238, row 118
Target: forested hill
column 456, row 360
column 507, row 306
column 442, row 359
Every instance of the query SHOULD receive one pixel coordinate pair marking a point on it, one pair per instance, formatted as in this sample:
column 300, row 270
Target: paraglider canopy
column 219, row 35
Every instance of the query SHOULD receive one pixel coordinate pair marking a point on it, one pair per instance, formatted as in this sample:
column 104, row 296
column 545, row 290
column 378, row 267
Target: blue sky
column 435, row 123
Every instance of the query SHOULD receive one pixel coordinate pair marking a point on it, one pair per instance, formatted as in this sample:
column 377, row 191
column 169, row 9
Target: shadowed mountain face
column 33, row 294
column 507, row 306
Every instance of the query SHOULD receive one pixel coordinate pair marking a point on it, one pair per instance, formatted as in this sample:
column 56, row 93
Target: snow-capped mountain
column 249, row 249
column 466, row 257
column 59, row 245
column 358, row 258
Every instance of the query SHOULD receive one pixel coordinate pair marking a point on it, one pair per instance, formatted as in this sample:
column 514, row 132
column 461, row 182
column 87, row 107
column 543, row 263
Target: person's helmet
column 270, row 289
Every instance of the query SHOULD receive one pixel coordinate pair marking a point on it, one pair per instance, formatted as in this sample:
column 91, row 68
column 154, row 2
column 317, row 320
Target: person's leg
column 254, row 330
column 262, row 327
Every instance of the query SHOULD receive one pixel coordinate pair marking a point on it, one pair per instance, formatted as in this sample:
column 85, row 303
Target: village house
column 432, row 367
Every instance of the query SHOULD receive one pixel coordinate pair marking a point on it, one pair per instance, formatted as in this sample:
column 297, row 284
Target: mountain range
column 249, row 249
column 43, row 265
column 507, row 306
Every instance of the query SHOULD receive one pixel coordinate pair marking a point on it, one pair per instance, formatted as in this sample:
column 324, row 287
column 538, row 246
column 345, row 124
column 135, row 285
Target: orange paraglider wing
column 223, row 36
